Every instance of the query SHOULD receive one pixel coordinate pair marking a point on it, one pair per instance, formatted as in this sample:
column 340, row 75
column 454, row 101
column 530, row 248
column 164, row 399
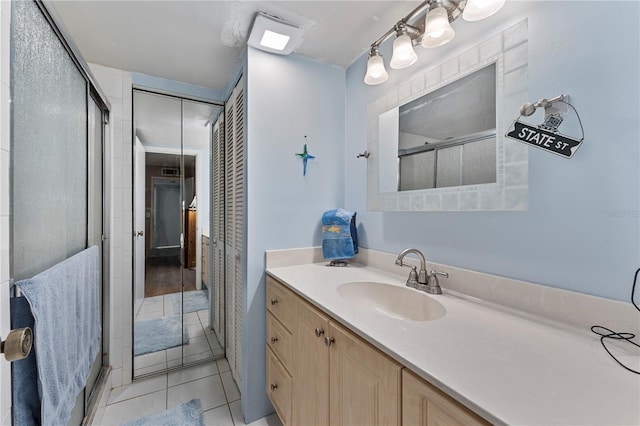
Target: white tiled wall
column 5, row 143
column 116, row 84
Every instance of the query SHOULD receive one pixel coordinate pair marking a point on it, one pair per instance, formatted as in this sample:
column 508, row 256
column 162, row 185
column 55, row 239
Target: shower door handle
column 18, row 344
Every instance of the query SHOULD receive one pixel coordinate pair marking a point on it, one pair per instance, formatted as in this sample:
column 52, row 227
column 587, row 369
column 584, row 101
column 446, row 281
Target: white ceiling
column 201, row 42
column 167, row 122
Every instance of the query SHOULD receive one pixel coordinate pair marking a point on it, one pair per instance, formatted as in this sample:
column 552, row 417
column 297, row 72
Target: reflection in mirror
column 448, row 136
column 172, row 295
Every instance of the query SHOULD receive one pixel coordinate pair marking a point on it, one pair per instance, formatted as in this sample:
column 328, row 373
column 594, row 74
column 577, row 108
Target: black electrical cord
column 605, row 333
column 581, row 128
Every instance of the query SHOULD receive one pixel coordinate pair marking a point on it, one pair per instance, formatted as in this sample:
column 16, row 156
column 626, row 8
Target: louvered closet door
column 217, row 247
column 238, row 216
column 229, row 251
column 234, row 232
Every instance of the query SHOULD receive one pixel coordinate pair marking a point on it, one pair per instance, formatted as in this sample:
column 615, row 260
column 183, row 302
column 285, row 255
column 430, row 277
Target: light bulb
column 403, row 53
column 476, row 10
column 376, row 73
column 437, row 30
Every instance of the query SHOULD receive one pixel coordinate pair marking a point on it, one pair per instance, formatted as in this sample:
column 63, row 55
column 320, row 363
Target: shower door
column 172, row 300
column 56, row 166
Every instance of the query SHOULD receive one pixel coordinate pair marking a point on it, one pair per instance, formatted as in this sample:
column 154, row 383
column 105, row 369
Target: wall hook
column 364, row 154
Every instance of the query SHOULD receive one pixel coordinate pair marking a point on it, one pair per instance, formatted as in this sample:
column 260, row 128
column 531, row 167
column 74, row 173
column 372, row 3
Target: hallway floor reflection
column 203, row 342
column 162, row 276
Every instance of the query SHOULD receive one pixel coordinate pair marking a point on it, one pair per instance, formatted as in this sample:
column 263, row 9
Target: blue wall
column 581, row 231
column 287, row 98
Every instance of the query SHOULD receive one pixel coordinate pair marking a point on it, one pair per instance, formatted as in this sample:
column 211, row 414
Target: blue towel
column 64, row 301
column 24, row 373
column 339, row 235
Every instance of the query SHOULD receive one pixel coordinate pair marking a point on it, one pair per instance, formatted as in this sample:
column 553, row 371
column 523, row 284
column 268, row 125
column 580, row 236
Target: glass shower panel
column 479, row 162
column 49, row 146
column 417, row 171
column 448, row 166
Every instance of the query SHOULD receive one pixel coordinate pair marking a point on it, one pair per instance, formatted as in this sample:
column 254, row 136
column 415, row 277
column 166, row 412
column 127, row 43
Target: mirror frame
column 509, row 51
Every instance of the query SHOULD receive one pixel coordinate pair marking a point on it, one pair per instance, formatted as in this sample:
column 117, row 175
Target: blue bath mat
column 189, row 413
column 192, row 301
column 158, row 334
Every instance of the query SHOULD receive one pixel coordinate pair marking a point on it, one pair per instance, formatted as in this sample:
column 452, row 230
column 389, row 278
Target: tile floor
column 211, row 382
column 203, row 342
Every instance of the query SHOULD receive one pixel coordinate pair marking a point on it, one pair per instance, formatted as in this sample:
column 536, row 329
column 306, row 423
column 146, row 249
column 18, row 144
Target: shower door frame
column 95, row 97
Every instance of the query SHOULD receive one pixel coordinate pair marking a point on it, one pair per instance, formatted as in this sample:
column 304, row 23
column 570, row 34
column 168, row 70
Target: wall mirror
column 173, row 296
column 448, row 137
column 437, row 141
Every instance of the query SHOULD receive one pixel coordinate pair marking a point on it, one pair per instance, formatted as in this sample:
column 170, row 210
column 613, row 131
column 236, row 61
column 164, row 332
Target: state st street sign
column 557, row 143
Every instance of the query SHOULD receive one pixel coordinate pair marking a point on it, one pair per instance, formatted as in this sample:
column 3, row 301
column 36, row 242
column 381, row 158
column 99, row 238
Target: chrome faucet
column 421, row 280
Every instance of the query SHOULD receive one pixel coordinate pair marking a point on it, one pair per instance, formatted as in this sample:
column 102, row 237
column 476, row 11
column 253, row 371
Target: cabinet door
column 281, row 302
column 279, row 387
column 364, row 383
column 310, row 367
column 423, row 404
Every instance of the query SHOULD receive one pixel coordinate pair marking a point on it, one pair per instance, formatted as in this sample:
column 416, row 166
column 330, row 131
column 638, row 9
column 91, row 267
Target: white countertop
column 508, row 368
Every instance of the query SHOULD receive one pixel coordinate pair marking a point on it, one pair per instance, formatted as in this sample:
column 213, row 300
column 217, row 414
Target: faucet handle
column 412, row 281
column 442, row 274
column 433, row 285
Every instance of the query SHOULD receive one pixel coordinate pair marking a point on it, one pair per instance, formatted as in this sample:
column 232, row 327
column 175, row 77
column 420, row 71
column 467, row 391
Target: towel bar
column 14, row 291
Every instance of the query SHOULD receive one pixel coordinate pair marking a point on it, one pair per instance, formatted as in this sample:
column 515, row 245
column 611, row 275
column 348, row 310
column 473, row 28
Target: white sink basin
column 392, row 301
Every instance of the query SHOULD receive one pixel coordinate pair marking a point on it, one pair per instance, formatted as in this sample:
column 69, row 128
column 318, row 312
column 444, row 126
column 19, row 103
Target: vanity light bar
column 437, row 31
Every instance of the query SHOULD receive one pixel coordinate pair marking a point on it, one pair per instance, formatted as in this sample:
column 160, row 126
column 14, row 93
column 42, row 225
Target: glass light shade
column 376, row 73
column 403, row 53
column 476, row 10
column 437, row 30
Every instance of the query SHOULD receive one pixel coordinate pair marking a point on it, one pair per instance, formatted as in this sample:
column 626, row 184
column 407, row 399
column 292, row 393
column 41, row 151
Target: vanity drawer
column 281, row 302
column 280, row 341
column 279, row 387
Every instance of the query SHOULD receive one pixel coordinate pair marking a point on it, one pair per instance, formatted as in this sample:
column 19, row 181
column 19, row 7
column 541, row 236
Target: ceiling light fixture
column 437, row 30
column 275, row 35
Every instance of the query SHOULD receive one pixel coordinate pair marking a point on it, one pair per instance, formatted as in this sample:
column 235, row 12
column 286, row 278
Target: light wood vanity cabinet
column 423, row 404
column 311, row 367
column 329, row 367
column 364, row 382
column 205, row 261
column 280, row 315
column 319, row 373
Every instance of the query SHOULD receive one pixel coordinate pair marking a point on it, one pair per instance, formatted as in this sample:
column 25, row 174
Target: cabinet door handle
column 328, row 341
column 274, row 339
column 274, row 302
column 319, row 332
column 273, row 387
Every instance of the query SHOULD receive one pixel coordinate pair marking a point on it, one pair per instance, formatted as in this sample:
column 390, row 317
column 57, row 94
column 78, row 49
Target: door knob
column 138, row 233
column 274, row 302
column 273, row 387
column 328, row 341
column 274, row 339
column 319, row 332
column 18, row 344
